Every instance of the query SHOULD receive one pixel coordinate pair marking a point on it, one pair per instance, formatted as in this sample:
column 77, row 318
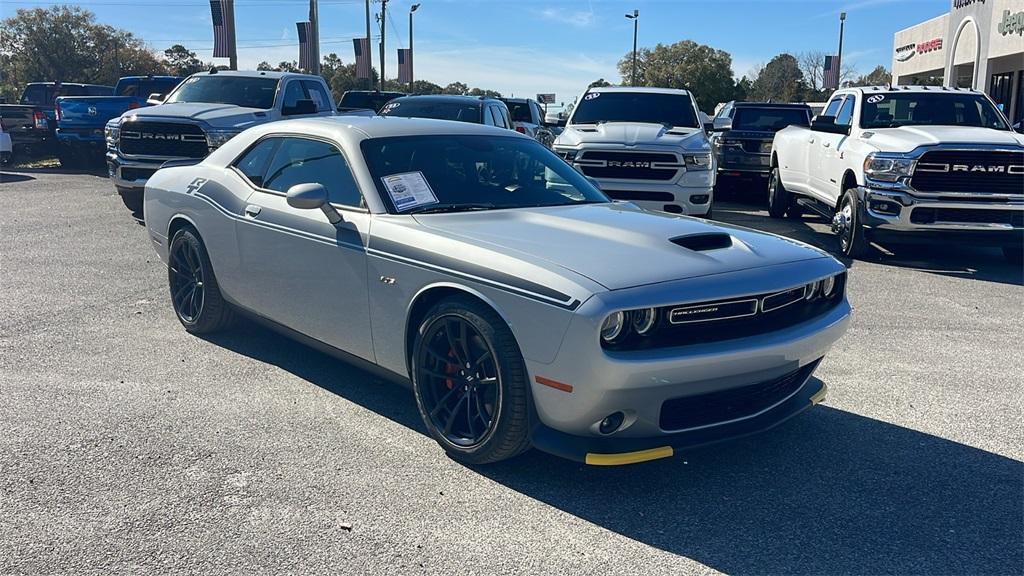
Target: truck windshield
column 236, row 90
column 893, row 109
column 769, row 119
column 439, row 110
column 671, row 109
column 472, row 172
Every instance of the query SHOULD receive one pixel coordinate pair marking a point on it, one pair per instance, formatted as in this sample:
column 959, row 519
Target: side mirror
column 311, row 196
column 828, row 124
column 722, row 124
column 155, row 98
column 709, row 127
column 300, row 107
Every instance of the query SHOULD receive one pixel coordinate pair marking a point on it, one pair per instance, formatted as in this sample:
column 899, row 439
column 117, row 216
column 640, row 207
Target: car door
column 818, row 145
column 833, row 147
column 302, row 271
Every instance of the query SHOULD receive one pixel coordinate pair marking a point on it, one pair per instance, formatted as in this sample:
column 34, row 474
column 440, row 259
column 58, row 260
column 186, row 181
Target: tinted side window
column 833, row 106
column 845, row 115
column 293, row 93
column 488, row 114
column 318, row 95
column 254, row 162
column 504, row 115
column 303, row 161
column 129, row 89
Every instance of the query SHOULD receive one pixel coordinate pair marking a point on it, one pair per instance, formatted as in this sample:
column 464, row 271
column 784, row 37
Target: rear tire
column 466, row 359
column 195, row 294
column 779, row 199
column 853, row 241
column 132, row 199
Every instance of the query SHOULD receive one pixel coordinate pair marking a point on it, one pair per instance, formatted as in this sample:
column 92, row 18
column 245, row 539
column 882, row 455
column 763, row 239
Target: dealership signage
column 1012, row 23
column 906, row 52
column 958, row 4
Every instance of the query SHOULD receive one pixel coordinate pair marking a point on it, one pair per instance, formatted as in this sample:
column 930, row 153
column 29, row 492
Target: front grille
column 753, row 146
column 629, row 165
column 735, row 403
column 640, row 195
column 164, row 139
column 971, row 171
column 720, row 320
column 1013, row 218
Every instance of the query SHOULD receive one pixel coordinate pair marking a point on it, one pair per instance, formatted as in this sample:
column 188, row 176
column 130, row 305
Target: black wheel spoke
column 469, row 412
column 454, row 414
column 452, row 343
column 443, row 402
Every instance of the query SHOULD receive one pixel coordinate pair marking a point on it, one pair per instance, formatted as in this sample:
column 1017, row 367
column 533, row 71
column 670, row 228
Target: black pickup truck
column 32, row 122
column 742, row 138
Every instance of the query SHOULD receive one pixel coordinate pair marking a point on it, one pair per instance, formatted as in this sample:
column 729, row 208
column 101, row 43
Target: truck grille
column 629, row 165
column 164, row 139
column 1013, row 218
column 972, row 171
column 726, row 405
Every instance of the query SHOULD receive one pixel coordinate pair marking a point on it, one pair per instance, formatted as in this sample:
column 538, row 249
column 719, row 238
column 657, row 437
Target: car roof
column 149, row 77
column 908, row 88
column 449, row 98
column 257, row 74
column 344, row 127
column 644, row 89
column 770, row 105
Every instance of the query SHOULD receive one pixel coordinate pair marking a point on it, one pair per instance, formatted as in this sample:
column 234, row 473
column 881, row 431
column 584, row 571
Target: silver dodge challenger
column 522, row 306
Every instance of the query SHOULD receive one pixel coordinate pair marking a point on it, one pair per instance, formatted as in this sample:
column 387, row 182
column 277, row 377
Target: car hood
column 618, row 245
column 907, row 138
column 632, row 134
column 224, row 116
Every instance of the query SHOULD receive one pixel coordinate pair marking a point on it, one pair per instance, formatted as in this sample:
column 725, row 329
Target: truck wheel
column 470, row 382
column 1014, row 254
column 132, row 198
column 846, row 224
column 779, row 199
column 195, row 294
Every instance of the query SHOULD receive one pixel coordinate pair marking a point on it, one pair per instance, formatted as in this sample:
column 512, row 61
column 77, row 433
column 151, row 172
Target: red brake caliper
column 450, row 369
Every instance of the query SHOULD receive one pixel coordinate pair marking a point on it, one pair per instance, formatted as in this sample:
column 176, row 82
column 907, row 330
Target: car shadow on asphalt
column 959, row 261
column 12, row 177
column 828, row 492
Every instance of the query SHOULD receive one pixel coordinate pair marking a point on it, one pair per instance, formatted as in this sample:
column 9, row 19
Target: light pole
column 839, row 57
column 635, row 16
column 411, row 10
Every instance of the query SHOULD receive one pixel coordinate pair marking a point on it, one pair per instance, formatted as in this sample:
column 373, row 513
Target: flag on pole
column 223, row 35
column 404, row 65
column 305, row 45
column 362, row 46
column 830, row 73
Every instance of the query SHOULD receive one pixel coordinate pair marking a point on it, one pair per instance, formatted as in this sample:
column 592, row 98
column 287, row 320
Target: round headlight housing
column 613, row 327
column 810, row 290
column 643, row 320
column 828, row 286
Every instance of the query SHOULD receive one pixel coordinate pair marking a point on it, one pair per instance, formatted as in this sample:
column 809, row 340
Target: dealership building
column 977, row 44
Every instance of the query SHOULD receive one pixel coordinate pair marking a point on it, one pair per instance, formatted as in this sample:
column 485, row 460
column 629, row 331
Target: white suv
column 645, row 145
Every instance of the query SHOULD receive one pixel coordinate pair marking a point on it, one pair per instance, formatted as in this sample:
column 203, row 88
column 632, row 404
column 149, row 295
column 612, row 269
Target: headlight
column 613, row 327
column 217, row 138
column 567, row 154
column 698, row 161
column 888, row 168
column 112, row 133
column 827, row 286
column 766, row 147
column 643, row 320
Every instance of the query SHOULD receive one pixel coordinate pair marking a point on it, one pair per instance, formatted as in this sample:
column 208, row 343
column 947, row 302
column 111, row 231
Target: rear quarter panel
column 790, row 148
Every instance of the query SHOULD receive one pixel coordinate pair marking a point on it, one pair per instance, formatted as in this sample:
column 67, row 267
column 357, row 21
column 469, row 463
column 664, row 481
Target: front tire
column 470, row 382
column 779, row 199
column 195, row 294
column 847, row 225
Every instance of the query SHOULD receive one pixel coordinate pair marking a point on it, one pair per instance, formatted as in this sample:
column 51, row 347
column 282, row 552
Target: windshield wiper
column 452, row 207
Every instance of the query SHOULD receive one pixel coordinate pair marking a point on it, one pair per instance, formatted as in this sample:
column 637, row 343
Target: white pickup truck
column 907, row 164
column 645, row 145
column 206, row 110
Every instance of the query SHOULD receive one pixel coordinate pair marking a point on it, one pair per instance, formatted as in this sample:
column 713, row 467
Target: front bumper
column 897, row 213
column 131, row 174
column 674, row 198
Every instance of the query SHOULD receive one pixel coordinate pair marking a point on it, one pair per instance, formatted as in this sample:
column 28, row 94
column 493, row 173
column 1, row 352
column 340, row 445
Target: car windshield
column 520, row 111
column 670, row 109
column 769, row 119
column 428, row 108
column 236, row 90
column 473, row 172
column 893, row 109
column 366, row 100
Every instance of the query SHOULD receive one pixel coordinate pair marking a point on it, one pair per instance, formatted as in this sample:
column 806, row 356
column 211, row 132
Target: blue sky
column 530, row 46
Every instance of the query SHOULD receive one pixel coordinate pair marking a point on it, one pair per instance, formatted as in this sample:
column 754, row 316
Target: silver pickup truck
column 205, row 111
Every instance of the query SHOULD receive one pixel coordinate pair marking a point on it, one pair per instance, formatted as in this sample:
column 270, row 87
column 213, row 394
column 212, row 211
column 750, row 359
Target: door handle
column 826, row 144
column 252, row 210
column 811, row 140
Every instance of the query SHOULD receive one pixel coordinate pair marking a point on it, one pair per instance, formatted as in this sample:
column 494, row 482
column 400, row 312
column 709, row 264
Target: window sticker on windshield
column 876, row 98
column 409, row 190
column 592, row 95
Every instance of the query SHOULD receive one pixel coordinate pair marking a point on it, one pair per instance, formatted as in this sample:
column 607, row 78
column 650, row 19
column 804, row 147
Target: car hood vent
column 702, row 242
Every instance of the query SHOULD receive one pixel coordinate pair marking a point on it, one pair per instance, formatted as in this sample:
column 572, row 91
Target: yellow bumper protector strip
column 819, row 395
column 628, row 457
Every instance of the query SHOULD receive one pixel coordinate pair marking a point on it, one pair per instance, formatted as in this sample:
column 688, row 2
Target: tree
column 779, row 80
column 685, row 64
column 426, row 87
column 65, row 43
column 482, row 92
column 599, row 83
column 880, row 76
column 181, row 61
column 456, row 88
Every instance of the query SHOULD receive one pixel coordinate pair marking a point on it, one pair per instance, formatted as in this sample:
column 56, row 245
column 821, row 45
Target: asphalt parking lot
column 129, row 446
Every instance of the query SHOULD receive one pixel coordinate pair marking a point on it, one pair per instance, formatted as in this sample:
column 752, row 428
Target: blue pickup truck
column 80, row 119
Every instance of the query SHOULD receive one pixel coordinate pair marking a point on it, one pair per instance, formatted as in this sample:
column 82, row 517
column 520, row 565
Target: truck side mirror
column 155, row 98
column 300, row 107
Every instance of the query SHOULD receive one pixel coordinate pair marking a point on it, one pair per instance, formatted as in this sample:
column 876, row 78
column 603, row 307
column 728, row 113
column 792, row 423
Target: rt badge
column 195, row 185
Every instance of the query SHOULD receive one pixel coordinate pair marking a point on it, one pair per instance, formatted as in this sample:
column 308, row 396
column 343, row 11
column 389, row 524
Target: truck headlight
column 217, row 138
column 888, row 168
column 700, row 161
column 766, row 147
column 112, row 133
column 567, row 154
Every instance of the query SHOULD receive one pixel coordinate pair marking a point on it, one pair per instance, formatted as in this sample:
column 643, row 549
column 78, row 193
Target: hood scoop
column 703, row 242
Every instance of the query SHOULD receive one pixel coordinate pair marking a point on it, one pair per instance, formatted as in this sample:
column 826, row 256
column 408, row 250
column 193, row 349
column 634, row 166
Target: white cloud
column 577, row 18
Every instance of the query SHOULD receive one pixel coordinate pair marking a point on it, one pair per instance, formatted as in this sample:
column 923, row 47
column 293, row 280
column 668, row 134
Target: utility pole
column 314, row 24
column 233, row 59
column 411, row 10
column 839, row 57
column 369, row 48
column 635, row 17
column 383, row 28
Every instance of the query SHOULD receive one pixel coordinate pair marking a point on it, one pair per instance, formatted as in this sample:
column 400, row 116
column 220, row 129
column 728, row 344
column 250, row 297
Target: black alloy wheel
column 195, row 294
